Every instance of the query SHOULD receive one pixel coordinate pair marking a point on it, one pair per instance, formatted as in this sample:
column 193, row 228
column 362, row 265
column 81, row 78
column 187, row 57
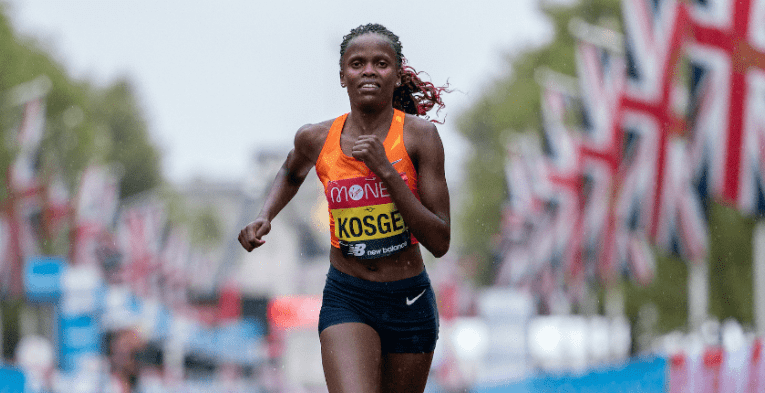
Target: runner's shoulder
column 309, row 139
column 419, row 131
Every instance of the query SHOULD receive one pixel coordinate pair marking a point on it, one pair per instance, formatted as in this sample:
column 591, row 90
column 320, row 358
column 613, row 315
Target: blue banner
column 639, row 376
column 42, row 278
column 11, row 380
column 80, row 336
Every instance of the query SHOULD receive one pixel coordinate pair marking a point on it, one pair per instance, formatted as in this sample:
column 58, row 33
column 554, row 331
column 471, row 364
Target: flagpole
column 698, row 293
column 758, row 273
column 614, row 307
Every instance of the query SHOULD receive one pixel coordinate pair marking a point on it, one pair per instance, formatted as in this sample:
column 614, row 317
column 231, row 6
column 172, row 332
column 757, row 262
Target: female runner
column 382, row 168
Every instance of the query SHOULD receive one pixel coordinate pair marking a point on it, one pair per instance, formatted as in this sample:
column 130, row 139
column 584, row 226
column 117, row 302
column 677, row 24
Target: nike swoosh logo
column 395, row 162
column 409, row 302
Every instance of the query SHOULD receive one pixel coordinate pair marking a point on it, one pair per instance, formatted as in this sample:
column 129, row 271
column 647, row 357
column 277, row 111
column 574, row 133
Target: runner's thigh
column 405, row 372
column 351, row 356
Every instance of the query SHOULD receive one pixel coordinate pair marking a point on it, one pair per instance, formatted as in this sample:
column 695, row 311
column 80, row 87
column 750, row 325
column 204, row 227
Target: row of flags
column 657, row 122
column 131, row 243
column 21, row 224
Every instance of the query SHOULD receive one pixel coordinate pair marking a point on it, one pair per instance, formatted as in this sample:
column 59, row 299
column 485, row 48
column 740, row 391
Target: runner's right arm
column 286, row 184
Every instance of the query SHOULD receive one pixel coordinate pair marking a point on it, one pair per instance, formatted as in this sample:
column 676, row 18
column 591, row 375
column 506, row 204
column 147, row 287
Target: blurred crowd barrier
column 714, row 369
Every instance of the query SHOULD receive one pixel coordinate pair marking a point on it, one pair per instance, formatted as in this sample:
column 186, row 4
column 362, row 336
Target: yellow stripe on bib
column 368, row 222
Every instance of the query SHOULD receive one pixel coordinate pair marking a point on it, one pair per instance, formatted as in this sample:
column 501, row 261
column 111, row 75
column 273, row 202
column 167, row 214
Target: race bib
column 367, row 222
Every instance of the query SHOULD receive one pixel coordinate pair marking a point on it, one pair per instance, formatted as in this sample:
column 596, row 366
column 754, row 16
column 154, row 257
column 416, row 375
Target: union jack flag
column 95, row 210
column 540, row 234
column 175, row 259
column 636, row 176
column 140, row 236
column 562, row 148
column 615, row 243
column 524, row 215
column 671, row 209
column 23, row 176
column 24, row 206
column 708, row 105
column 728, row 63
column 98, row 197
column 601, row 74
column 57, row 207
column 26, row 199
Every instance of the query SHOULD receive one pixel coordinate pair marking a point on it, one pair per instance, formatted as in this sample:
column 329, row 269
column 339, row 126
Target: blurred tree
column 85, row 123
column 731, row 285
column 21, row 62
column 123, row 138
column 203, row 223
column 206, row 227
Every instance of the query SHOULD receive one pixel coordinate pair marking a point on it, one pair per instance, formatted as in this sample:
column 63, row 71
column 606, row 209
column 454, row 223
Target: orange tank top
column 363, row 220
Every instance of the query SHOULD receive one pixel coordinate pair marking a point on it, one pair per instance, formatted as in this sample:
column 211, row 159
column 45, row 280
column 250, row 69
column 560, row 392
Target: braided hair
column 413, row 96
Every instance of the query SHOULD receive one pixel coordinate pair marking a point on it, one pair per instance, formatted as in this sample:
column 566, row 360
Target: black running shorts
column 402, row 312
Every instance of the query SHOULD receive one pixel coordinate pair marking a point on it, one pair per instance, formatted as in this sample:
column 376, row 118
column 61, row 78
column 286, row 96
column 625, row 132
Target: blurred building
column 291, row 265
column 297, row 246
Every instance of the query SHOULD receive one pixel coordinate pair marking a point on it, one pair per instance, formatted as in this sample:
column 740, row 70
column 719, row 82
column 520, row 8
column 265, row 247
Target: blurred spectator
column 35, row 356
column 125, row 347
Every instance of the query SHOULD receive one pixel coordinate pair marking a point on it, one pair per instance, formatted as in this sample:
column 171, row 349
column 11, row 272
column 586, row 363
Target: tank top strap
column 333, row 137
column 331, row 149
column 395, row 137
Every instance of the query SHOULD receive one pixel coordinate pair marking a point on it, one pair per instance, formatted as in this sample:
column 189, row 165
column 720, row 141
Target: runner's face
column 369, row 70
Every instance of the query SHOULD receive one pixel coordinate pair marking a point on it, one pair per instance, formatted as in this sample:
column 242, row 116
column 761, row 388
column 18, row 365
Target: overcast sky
column 220, row 79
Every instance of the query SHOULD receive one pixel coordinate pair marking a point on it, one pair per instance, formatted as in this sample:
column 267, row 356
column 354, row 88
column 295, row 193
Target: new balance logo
column 358, row 249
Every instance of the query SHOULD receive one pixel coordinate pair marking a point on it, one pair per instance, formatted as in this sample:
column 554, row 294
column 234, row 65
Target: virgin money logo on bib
column 367, row 222
column 356, row 192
